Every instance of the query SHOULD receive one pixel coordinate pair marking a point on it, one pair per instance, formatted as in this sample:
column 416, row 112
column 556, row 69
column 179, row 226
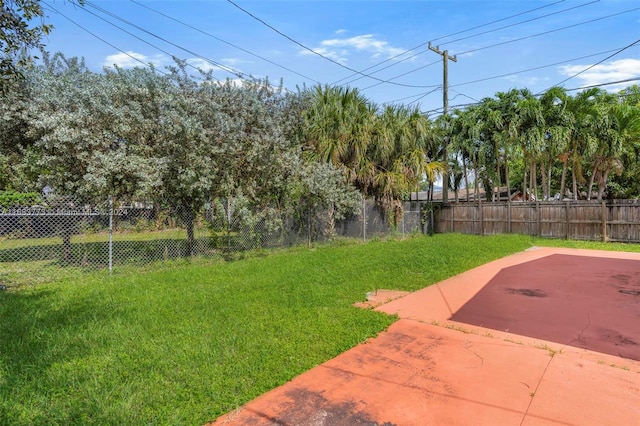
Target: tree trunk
column 591, row 179
column 574, row 182
column 506, row 178
column 466, row 178
column 543, row 173
column 524, row 183
column 189, row 217
column 477, row 180
column 603, row 183
column 534, row 179
column 499, row 182
column 549, row 168
column 66, row 247
column 68, row 224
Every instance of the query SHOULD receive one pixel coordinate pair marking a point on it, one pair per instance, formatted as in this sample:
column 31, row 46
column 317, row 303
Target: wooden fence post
column 451, row 226
column 566, row 220
column 604, row 221
column 481, row 215
column 581, row 220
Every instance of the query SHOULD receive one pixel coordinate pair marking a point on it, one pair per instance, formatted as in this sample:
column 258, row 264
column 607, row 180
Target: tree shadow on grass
column 95, row 255
column 48, row 341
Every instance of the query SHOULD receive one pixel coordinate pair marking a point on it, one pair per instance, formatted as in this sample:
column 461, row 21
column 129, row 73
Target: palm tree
column 530, row 124
column 514, row 133
column 399, row 154
column 557, row 127
column 461, row 138
column 488, row 127
column 334, row 122
column 383, row 154
column 615, row 125
column 581, row 140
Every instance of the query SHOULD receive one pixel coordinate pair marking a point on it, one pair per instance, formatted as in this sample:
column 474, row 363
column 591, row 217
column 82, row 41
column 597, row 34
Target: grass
column 185, row 342
column 34, row 261
column 13, row 243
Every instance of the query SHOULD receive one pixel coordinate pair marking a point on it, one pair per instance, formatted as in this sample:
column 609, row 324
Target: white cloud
column 526, row 81
column 338, row 55
column 232, row 62
column 132, row 59
column 339, row 49
column 226, row 64
column 621, row 69
column 203, row 65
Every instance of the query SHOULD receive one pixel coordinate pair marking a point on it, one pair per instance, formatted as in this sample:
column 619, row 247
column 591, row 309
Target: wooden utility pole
column 445, row 105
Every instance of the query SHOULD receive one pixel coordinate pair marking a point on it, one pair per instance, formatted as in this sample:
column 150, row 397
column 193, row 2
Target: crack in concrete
column 580, row 334
column 533, row 394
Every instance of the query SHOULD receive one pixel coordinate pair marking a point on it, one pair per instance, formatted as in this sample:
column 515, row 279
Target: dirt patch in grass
column 380, row 297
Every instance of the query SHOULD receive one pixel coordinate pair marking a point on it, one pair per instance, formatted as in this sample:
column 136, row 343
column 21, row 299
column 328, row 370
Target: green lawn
column 175, row 234
column 182, row 343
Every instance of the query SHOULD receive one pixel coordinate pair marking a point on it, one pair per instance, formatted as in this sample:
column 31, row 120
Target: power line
column 519, row 39
column 511, row 41
column 224, row 41
column 466, row 96
column 420, row 95
column 521, row 22
column 609, row 83
column 226, row 68
column 383, row 62
column 422, row 44
column 617, row 50
column 424, row 95
column 531, row 69
column 548, row 32
column 406, row 73
column 317, row 53
column 384, row 68
column 599, row 62
column 101, row 39
column 495, row 22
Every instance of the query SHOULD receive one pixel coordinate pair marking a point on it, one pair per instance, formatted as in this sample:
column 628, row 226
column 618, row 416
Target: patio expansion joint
column 446, row 302
column 552, row 355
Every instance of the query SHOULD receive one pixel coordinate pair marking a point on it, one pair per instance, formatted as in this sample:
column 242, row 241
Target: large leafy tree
column 182, row 141
column 83, row 132
column 16, row 149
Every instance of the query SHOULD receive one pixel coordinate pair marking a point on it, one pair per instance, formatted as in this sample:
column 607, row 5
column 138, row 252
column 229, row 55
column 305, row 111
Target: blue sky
column 499, row 45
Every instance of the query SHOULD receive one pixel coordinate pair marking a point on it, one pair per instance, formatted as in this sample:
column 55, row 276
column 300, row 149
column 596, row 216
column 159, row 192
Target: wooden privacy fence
column 617, row 220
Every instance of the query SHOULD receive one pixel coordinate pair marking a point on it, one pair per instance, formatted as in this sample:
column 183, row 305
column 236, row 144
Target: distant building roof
column 516, row 195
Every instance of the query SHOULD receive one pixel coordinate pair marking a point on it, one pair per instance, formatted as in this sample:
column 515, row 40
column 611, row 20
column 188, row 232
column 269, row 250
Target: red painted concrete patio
column 543, row 337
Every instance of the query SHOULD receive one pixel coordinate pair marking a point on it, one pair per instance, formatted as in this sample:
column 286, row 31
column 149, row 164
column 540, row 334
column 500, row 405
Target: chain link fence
column 39, row 243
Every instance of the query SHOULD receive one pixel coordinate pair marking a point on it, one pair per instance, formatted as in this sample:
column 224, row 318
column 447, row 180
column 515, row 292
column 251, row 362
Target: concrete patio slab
column 427, row 369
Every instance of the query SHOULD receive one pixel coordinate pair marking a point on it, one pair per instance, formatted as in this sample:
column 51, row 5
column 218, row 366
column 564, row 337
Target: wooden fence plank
column 581, row 220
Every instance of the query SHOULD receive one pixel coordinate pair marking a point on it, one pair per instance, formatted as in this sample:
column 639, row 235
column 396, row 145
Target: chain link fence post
column 364, row 219
column 62, row 235
column 110, row 235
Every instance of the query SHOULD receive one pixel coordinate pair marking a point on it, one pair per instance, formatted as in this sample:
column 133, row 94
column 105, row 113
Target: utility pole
column 445, row 105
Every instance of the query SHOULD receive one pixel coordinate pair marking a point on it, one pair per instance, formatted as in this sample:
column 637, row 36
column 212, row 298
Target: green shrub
column 12, row 199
